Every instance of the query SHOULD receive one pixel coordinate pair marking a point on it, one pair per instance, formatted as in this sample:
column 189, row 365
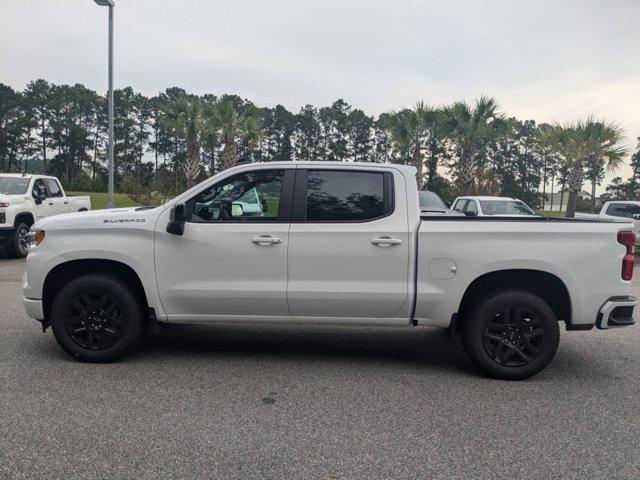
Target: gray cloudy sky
column 546, row 60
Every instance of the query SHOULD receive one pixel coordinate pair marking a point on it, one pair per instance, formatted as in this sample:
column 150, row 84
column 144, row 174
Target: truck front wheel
column 511, row 334
column 97, row 318
column 20, row 244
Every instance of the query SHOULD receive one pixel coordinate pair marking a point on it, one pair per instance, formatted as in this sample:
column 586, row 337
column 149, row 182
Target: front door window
column 248, row 197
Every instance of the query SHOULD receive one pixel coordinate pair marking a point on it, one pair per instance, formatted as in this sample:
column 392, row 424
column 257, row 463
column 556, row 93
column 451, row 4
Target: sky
column 545, row 60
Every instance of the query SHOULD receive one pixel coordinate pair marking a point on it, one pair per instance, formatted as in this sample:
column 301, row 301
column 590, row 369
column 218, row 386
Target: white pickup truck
column 487, row 206
column 327, row 243
column 25, row 199
column 617, row 211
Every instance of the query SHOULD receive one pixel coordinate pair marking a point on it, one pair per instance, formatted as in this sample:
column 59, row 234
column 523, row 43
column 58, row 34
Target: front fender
column 106, row 245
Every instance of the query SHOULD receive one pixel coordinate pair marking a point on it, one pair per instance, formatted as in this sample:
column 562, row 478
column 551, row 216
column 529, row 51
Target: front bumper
column 616, row 312
column 33, row 307
column 6, row 235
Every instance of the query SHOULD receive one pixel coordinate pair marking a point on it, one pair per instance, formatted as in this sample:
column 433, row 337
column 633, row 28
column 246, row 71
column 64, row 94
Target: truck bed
column 453, row 252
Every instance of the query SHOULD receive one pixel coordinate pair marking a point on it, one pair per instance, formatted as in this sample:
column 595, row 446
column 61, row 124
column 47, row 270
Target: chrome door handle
column 386, row 241
column 266, row 240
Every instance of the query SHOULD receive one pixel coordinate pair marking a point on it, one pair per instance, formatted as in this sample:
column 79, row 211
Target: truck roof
column 488, row 197
column 336, row 165
column 28, row 175
column 633, row 202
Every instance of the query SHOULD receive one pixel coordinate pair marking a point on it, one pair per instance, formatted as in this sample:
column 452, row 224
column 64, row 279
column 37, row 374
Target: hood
column 132, row 217
column 4, row 197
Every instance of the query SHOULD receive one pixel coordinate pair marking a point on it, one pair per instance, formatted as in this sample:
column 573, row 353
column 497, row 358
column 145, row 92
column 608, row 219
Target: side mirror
column 177, row 218
column 471, row 214
column 39, row 198
column 636, row 216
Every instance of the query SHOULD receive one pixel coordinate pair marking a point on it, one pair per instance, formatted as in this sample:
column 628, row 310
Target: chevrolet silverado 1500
column 338, row 243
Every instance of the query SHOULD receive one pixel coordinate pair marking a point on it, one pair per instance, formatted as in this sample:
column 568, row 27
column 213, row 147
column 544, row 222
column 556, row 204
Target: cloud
column 547, row 60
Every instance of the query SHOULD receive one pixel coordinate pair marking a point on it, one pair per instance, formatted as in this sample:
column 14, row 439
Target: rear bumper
column 616, row 312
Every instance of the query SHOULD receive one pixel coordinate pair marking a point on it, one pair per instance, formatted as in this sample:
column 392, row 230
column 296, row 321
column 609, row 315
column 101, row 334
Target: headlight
column 36, row 238
column 4, row 204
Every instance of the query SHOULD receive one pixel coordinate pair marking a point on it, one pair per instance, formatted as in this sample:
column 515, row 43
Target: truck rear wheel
column 97, row 318
column 19, row 247
column 511, row 335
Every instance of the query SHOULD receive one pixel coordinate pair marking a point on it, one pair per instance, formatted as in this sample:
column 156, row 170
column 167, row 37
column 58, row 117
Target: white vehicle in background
column 486, row 206
column 617, row 211
column 25, row 199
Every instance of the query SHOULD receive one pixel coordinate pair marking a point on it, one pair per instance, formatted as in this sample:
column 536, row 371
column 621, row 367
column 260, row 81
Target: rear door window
column 347, row 196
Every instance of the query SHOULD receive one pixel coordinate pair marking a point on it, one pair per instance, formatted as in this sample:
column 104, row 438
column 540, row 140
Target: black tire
column 511, row 334
column 19, row 247
column 98, row 318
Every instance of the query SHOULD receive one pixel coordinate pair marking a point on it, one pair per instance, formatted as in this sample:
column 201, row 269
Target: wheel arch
column 26, row 217
column 546, row 285
column 61, row 274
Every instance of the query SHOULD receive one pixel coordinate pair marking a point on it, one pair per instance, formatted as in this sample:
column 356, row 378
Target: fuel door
column 442, row 268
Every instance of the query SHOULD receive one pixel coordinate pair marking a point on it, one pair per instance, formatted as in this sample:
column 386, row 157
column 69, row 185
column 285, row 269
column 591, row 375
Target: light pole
column 110, row 4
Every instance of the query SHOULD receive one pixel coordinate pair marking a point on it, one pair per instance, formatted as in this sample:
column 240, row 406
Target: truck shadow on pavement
column 390, row 347
column 396, row 345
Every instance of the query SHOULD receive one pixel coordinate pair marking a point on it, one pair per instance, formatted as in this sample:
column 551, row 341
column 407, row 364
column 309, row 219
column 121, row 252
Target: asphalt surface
column 229, row 401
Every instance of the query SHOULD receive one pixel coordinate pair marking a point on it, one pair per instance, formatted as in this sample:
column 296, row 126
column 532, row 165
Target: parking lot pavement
column 229, row 401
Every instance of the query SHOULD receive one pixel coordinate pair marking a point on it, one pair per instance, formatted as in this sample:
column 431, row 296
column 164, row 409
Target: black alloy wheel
column 99, row 317
column 510, row 334
column 95, row 320
column 513, row 337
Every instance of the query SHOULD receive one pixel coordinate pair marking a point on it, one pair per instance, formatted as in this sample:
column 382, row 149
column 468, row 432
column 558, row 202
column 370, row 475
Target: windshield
column 430, row 201
column 14, row 185
column 505, row 207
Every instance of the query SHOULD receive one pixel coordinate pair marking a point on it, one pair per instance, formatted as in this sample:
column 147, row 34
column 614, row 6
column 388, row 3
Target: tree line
column 171, row 141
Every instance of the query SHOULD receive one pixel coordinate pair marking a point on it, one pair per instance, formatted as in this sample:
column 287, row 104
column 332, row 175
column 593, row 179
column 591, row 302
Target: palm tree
column 470, row 127
column 569, row 141
column 414, row 130
column 407, row 130
column 185, row 117
column 605, row 152
column 584, row 143
column 433, row 122
column 544, row 142
column 233, row 127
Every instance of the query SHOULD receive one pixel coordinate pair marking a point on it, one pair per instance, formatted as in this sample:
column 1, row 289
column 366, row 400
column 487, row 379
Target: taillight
column 628, row 239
